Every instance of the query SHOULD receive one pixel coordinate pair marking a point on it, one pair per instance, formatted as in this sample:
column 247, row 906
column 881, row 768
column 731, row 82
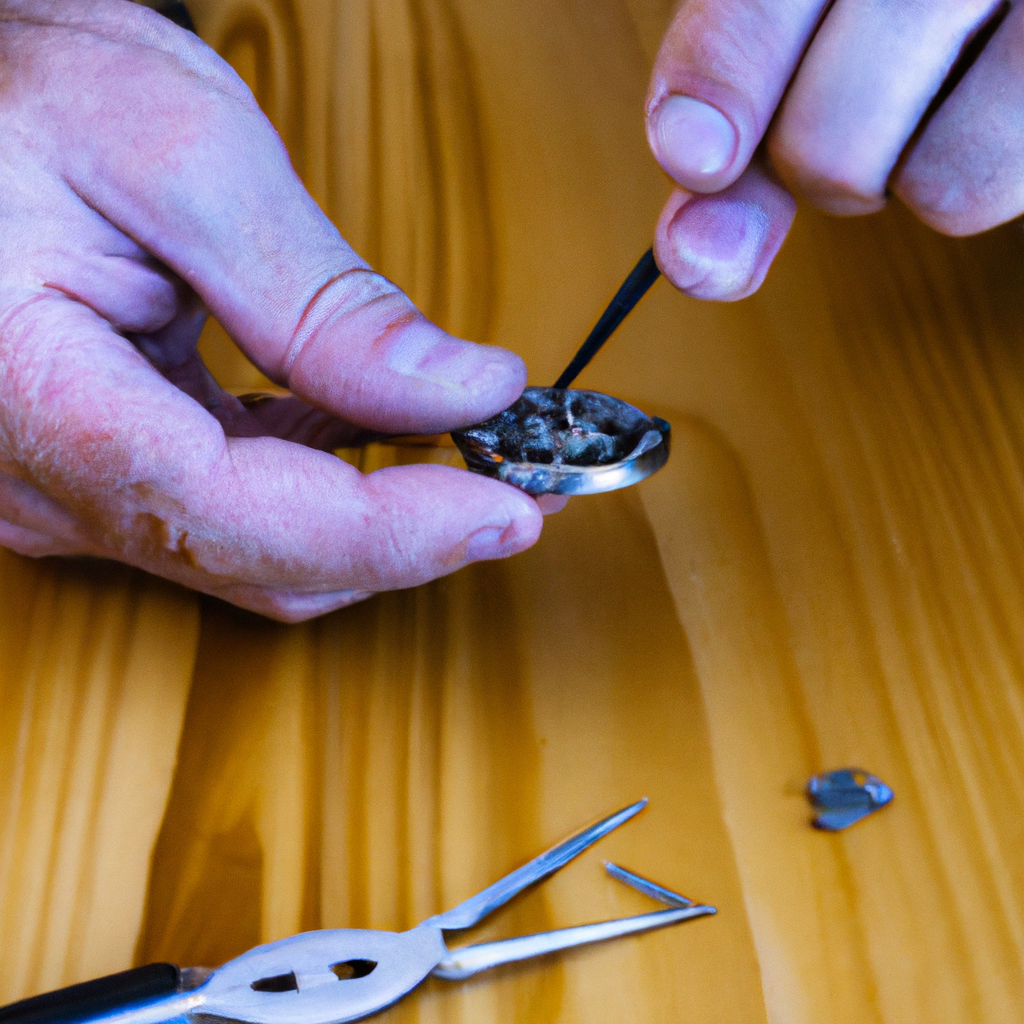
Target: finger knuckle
column 339, row 296
column 950, row 206
column 830, row 179
column 146, row 28
column 396, row 553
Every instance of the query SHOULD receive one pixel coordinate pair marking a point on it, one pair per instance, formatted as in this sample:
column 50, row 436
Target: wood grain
column 828, row 572
column 96, row 668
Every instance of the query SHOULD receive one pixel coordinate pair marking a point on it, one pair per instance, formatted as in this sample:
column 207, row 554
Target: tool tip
column 627, row 812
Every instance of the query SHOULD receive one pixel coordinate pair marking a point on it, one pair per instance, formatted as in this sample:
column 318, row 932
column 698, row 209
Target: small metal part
column 563, row 441
column 844, row 796
column 648, row 888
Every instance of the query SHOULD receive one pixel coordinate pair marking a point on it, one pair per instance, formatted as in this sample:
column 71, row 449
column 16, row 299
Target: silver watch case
column 565, row 441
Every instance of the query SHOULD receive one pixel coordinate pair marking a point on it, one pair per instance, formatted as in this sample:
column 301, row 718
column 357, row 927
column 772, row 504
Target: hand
column 844, row 98
column 139, row 186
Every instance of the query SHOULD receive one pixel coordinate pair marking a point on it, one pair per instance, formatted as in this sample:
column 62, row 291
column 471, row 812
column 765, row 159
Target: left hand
column 141, row 185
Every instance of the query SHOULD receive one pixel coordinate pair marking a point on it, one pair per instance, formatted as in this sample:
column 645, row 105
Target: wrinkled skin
column 140, row 186
column 755, row 102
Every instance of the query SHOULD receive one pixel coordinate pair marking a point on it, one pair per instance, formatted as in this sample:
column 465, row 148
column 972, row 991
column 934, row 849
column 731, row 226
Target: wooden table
column 827, row 573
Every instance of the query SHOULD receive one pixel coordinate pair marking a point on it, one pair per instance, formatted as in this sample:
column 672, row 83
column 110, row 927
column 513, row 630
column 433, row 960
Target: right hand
column 755, row 102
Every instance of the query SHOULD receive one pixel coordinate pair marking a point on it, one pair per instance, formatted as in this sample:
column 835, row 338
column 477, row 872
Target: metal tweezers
column 332, row 976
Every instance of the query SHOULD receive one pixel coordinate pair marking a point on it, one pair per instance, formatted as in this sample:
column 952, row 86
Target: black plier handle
column 96, row 999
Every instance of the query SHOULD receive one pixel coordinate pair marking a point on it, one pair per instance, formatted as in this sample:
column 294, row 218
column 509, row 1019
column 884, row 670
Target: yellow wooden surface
column 827, row 572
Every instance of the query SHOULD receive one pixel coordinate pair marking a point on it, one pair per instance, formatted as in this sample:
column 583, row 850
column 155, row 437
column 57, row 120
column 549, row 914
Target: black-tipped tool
column 633, row 289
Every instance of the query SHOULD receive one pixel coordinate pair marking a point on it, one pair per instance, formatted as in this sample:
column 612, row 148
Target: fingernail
column 692, row 140
column 550, row 504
